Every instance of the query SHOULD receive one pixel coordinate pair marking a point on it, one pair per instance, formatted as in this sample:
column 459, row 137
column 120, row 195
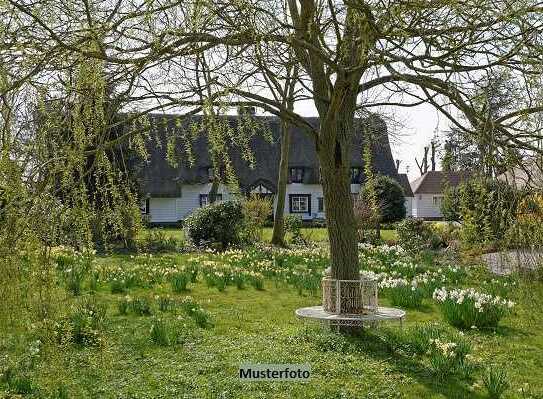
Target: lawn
column 312, row 234
column 255, row 326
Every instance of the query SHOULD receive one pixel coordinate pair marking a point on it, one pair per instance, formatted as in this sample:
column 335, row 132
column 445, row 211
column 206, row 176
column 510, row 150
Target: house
column 428, row 191
column 529, row 175
column 409, row 197
column 172, row 192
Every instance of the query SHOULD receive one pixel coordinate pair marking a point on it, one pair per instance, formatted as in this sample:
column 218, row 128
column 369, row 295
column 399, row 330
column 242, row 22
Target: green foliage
column 406, row 296
column 165, row 303
column 450, row 204
column 179, row 281
column 496, row 382
column 161, row 333
column 123, row 306
column 141, row 306
column 85, row 324
column 156, row 241
column 415, row 236
column 196, row 312
column 468, row 308
column 487, row 209
column 449, row 357
column 256, row 210
column 447, row 353
column 445, row 233
column 117, row 286
column 216, row 225
column 389, row 196
column 293, row 226
column 20, row 384
column 527, row 227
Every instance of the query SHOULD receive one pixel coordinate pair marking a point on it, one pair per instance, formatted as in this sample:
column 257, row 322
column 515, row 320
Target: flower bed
column 402, row 292
column 467, row 308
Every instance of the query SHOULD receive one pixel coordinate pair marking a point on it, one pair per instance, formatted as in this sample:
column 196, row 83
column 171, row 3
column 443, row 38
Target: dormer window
column 356, row 173
column 210, row 173
column 296, row 175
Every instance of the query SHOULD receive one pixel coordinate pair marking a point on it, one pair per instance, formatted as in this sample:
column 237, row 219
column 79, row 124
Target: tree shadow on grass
column 505, row 332
column 374, row 346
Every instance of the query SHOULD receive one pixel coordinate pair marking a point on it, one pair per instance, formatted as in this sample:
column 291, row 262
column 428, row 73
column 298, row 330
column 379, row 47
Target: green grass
column 260, row 327
column 312, row 234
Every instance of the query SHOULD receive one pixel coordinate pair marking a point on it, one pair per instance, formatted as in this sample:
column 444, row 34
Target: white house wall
column 408, row 206
column 169, row 210
column 315, row 190
column 423, row 206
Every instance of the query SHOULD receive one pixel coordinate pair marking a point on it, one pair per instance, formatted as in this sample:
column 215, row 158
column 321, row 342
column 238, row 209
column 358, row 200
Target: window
column 321, row 204
column 204, row 199
column 296, row 175
column 144, row 207
column 437, row 201
column 300, row 203
column 355, row 175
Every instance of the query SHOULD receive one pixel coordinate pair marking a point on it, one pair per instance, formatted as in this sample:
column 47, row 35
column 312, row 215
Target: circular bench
column 317, row 313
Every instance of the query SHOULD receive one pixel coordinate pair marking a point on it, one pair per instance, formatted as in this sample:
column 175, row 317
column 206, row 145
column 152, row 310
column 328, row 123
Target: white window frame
column 299, row 204
column 436, row 200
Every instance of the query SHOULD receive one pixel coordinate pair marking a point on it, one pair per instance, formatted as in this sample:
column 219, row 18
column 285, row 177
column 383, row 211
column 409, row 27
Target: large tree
column 351, row 55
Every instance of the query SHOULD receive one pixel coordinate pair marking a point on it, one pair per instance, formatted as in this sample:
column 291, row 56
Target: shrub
column 217, row 225
column 293, row 225
column 446, row 233
column 390, row 198
column 496, row 382
column 415, row 236
column 156, row 240
column 468, row 308
column 367, row 220
column 256, row 210
column 450, row 204
column 527, row 228
column 487, row 209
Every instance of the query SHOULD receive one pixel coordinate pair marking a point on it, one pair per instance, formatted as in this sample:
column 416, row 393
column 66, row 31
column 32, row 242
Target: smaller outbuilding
column 428, row 192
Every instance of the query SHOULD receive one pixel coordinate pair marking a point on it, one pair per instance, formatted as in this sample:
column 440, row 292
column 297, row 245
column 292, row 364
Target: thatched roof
column 404, row 182
column 161, row 179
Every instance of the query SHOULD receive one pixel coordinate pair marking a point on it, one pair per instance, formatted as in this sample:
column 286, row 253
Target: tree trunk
column 212, row 196
column 278, row 236
column 334, row 152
